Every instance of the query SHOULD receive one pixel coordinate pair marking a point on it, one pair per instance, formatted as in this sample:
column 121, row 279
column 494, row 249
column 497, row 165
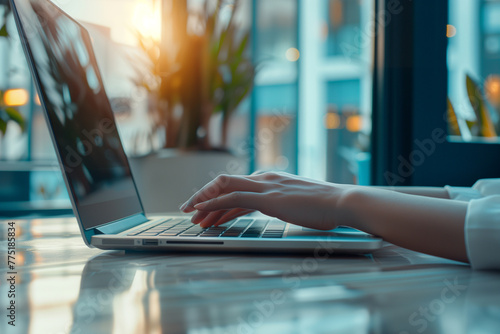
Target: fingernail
column 183, row 206
column 204, row 225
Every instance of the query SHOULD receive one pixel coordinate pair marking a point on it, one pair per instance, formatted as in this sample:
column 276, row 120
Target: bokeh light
column 292, row 54
column 451, row 31
column 147, row 20
column 16, row 97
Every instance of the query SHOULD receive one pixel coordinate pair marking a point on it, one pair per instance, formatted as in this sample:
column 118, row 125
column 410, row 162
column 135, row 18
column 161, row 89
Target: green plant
column 6, row 12
column 196, row 72
column 453, row 127
column 492, row 92
column 482, row 125
column 9, row 114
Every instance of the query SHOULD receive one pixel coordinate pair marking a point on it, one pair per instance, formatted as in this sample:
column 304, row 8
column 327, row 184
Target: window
column 474, row 70
column 29, row 170
column 413, row 141
column 309, row 113
column 343, row 25
column 275, row 94
column 316, row 78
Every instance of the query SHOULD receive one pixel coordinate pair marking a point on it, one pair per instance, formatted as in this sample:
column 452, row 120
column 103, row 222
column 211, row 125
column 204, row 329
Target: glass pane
column 276, row 85
column 14, row 92
column 344, row 25
column 39, row 176
column 474, row 70
column 336, row 84
column 126, row 72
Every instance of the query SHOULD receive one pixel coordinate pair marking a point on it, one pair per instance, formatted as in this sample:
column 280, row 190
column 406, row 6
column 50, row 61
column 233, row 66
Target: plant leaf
column 3, row 126
column 453, row 127
column 243, row 45
column 3, row 31
column 473, row 127
column 17, row 117
column 476, row 98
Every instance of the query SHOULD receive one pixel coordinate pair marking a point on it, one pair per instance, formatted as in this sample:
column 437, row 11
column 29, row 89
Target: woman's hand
column 429, row 225
column 293, row 199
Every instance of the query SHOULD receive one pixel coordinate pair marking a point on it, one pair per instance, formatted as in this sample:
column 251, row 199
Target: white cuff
column 482, row 233
column 462, row 193
column 487, row 187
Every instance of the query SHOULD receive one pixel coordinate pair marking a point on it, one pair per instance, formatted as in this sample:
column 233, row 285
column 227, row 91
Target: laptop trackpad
column 294, row 230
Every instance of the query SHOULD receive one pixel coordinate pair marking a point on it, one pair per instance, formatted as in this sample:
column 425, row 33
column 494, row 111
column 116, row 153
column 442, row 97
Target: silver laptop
column 96, row 170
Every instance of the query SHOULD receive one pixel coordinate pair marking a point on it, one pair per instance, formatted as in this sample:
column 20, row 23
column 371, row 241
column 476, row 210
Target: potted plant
column 199, row 69
column 8, row 114
column 485, row 125
column 4, row 6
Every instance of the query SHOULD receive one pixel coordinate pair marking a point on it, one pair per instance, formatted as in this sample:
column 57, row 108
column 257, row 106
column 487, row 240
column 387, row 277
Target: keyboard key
column 275, row 229
column 153, row 225
column 231, row 235
column 255, row 229
column 243, row 222
column 168, row 234
column 148, row 234
column 161, row 228
column 213, row 232
column 272, row 235
column 218, row 228
column 193, row 231
column 250, row 235
column 158, row 226
column 277, row 225
column 237, row 228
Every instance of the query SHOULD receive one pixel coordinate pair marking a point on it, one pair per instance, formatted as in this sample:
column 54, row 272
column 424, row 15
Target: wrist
column 350, row 206
column 361, row 205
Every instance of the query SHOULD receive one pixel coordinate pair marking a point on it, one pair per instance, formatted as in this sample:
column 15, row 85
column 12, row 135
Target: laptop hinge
column 121, row 225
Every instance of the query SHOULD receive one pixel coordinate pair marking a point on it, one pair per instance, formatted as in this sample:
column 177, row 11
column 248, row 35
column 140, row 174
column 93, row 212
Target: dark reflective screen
column 79, row 114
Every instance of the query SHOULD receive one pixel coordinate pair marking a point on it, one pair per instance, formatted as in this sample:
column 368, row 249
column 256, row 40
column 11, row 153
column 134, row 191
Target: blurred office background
column 310, row 111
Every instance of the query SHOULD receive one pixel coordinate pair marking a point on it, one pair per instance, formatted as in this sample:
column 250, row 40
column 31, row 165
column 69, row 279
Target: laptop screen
column 79, row 114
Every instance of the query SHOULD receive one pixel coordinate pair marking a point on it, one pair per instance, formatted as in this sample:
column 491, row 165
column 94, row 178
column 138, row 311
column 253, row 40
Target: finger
column 222, row 184
column 214, row 188
column 232, row 214
column 199, row 216
column 212, row 218
column 234, row 200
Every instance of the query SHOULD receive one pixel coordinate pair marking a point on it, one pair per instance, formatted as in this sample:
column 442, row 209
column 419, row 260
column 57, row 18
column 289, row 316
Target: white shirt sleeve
column 482, row 188
column 482, row 223
column 462, row 193
column 482, row 232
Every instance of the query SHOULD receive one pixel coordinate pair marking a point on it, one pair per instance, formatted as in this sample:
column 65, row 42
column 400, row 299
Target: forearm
column 436, row 192
column 428, row 225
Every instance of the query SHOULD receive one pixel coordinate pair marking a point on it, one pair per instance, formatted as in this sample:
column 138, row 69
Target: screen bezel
column 33, row 69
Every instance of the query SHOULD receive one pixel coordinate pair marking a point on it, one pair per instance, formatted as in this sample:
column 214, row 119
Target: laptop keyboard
column 241, row 228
